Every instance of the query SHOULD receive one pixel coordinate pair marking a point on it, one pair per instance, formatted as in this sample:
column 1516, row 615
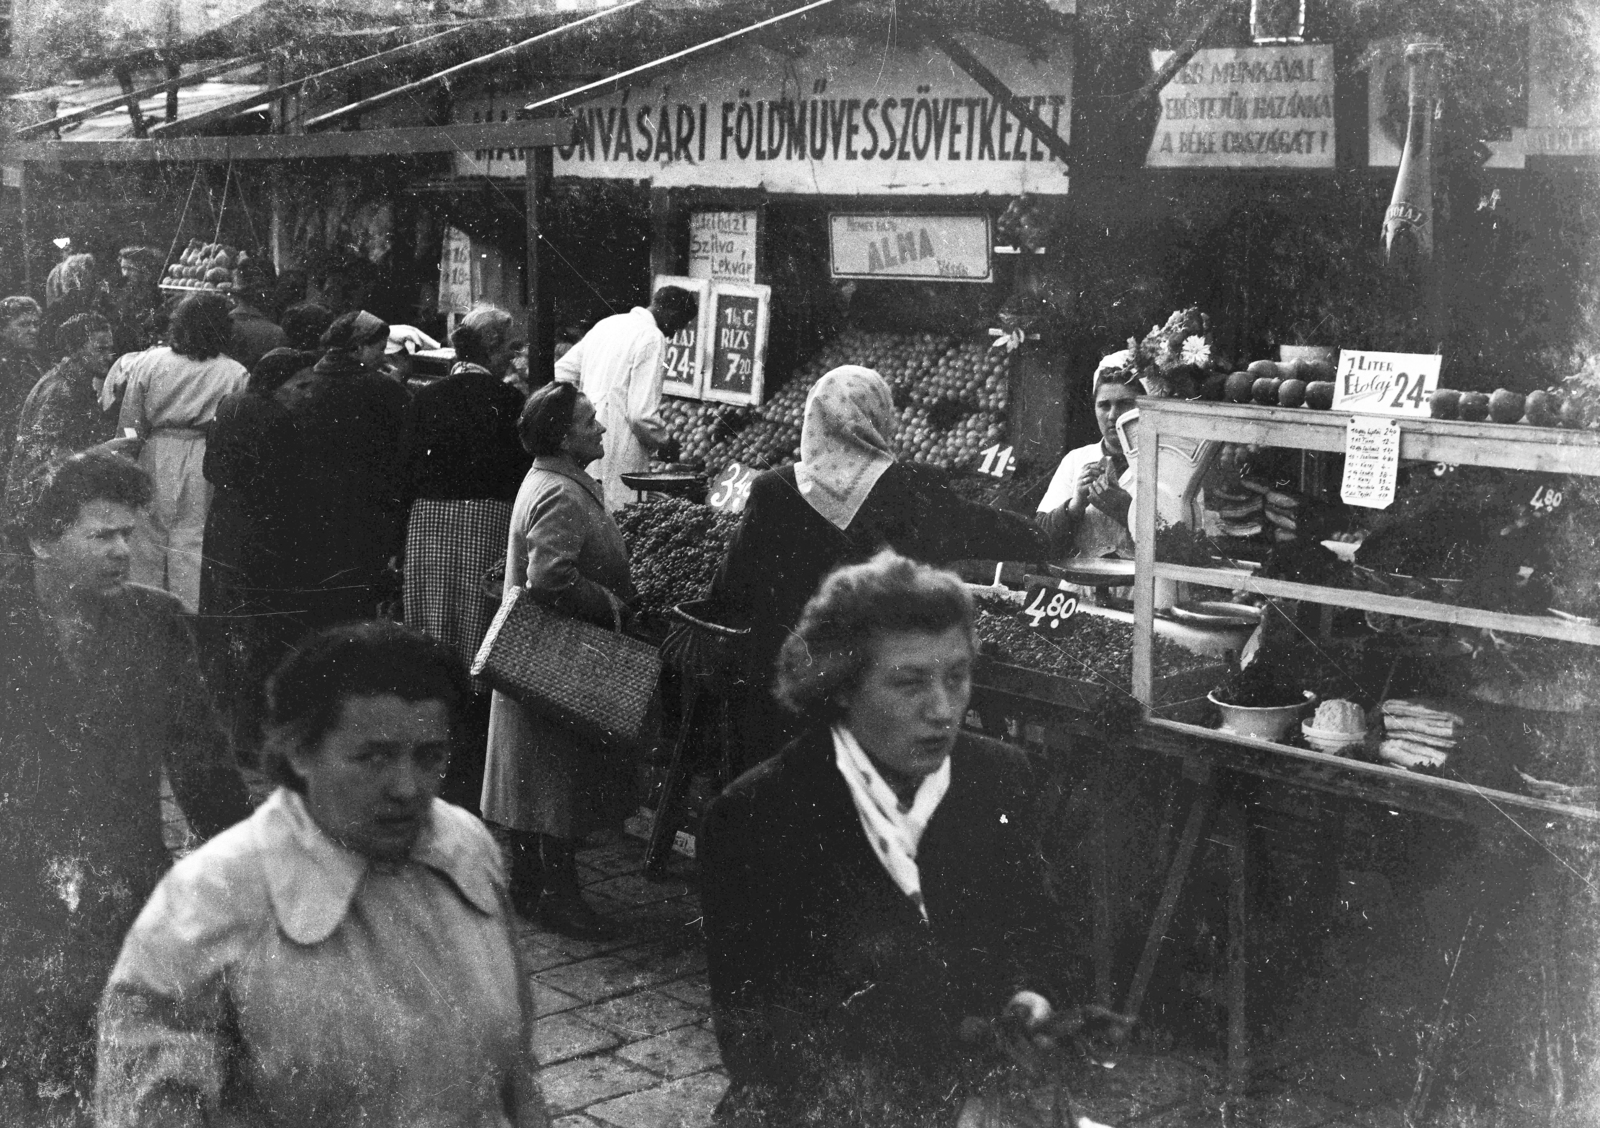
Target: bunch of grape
column 674, row 548
column 1096, row 649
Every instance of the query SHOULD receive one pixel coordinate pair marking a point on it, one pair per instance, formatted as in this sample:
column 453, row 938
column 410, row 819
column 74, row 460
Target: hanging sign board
column 736, row 345
column 722, row 246
column 1247, row 107
column 682, row 357
column 1383, row 383
column 945, row 248
column 850, row 116
column 455, row 272
column 1371, row 462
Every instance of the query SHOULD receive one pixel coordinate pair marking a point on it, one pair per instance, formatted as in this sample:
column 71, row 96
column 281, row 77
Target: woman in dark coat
column 466, row 465
column 847, row 498
column 253, row 461
column 875, row 883
column 353, row 425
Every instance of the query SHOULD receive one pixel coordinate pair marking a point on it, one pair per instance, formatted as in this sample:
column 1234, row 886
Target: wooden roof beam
column 351, row 69
column 1000, row 92
column 602, row 86
column 355, row 109
column 339, row 144
column 193, row 78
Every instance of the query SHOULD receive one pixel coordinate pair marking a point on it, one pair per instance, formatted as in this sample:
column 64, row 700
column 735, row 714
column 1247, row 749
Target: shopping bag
column 598, row 682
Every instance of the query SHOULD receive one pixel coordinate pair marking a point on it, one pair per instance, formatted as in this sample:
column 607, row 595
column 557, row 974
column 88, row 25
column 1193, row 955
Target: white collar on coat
column 312, row 879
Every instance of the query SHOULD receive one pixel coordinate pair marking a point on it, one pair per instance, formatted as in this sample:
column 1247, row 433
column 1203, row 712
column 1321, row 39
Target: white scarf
column 894, row 832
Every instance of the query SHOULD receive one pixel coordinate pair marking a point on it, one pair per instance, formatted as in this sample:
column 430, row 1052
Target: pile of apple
column 951, row 397
column 1547, row 407
column 1292, row 383
column 204, row 266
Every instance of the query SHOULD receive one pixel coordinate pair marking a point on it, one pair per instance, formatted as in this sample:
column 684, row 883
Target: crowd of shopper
column 210, row 537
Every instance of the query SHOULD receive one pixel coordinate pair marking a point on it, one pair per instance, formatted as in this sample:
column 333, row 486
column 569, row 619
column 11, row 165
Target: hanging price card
column 1048, row 607
column 732, row 488
column 1371, row 461
column 1382, row 383
column 998, row 461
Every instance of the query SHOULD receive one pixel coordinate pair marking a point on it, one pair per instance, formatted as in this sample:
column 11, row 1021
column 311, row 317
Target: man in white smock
column 617, row 366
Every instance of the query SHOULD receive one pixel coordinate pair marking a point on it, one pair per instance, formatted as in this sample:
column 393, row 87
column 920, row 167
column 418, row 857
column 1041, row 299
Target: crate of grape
column 674, row 548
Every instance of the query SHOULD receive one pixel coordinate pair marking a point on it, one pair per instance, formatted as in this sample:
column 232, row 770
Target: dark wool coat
column 354, row 435
column 81, row 755
column 832, row 998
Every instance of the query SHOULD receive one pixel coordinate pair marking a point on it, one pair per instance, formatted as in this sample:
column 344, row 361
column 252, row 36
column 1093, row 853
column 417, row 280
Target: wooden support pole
column 174, row 72
column 1238, row 953
column 125, row 80
column 25, row 223
column 541, row 317
column 1200, row 811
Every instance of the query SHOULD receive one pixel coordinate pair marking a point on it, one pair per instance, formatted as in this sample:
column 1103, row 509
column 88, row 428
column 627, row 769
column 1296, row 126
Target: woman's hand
column 1110, row 498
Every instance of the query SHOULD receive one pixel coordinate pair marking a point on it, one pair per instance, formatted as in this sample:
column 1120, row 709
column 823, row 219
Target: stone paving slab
column 693, row 990
column 564, row 1036
column 641, row 1014
column 636, row 889
column 602, row 977
column 677, row 1053
column 686, row 1103
column 548, row 1001
column 576, row 1084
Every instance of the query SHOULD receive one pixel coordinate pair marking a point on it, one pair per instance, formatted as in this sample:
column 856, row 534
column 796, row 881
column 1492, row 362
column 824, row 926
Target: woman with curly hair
column 171, row 403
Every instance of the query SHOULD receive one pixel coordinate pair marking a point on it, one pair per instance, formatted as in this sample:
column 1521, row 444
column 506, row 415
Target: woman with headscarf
column 350, row 520
column 466, row 465
column 171, row 402
column 253, row 463
column 845, row 499
column 1085, row 508
column 19, row 364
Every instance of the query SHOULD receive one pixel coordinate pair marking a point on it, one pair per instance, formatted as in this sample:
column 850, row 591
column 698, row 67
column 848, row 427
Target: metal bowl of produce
column 1095, row 572
column 1263, row 723
column 680, row 481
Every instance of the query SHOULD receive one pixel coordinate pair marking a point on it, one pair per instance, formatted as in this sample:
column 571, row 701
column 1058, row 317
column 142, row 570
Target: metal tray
column 1097, row 572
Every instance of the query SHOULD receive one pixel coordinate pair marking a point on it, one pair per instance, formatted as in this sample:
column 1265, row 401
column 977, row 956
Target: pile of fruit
column 1098, row 649
column 674, row 548
column 205, row 266
column 1294, row 383
column 951, row 398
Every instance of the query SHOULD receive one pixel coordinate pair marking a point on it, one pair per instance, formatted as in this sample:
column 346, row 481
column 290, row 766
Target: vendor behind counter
column 1084, row 511
column 847, row 498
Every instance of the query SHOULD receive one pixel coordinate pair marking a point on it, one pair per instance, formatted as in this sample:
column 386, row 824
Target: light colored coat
column 290, row 981
column 618, row 366
column 566, row 551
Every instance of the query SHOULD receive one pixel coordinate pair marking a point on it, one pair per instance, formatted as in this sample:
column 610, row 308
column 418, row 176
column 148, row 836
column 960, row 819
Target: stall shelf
column 1511, row 447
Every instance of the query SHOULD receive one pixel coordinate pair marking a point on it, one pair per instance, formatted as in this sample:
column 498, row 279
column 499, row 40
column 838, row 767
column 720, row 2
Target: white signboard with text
column 850, row 117
column 722, row 246
column 683, row 355
column 1247, row 107
column 1385, row 383
column 946, row 248
column 455, row 272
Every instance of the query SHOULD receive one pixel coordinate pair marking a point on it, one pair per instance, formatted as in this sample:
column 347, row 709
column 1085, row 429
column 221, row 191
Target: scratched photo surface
column 1239, row 358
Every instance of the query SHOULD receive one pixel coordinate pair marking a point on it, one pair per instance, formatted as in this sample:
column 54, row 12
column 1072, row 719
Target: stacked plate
column 1417, row 734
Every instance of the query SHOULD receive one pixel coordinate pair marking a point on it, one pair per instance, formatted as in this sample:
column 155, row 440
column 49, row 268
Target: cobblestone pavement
column 623, row 1033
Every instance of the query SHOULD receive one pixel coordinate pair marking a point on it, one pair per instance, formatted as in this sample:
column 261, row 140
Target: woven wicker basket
column 599, row 682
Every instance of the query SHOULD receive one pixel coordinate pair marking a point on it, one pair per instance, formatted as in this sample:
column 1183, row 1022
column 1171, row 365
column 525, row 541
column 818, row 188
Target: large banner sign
column 1247, row 107
column 848, row 118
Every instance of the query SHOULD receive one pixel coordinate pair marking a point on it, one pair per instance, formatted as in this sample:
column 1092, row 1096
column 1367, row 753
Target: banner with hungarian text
column 848, row 117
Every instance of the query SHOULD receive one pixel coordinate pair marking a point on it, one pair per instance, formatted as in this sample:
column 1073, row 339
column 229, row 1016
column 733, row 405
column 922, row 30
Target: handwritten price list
column 1371, row 461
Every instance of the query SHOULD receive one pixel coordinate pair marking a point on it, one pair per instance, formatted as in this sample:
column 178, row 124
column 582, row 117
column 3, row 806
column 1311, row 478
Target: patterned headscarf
column 844, row 442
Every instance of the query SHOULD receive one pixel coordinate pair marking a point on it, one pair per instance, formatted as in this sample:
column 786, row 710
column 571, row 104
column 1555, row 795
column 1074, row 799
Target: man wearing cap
column 1085, row 509
column 618, row 366
column 353, row 424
